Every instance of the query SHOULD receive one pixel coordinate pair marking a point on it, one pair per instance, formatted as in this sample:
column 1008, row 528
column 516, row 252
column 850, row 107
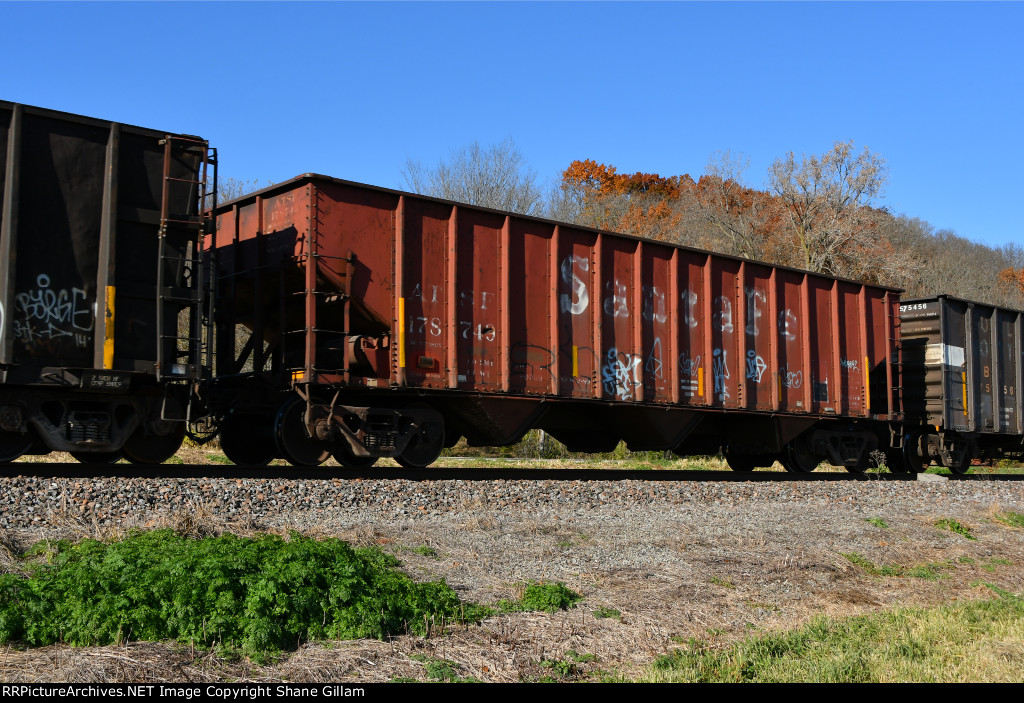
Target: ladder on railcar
column 191, row 293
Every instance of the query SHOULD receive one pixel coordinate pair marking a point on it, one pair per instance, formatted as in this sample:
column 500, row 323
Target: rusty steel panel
column 478, row 301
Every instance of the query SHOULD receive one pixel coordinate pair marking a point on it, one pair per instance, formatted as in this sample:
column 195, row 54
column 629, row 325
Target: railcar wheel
column 425, row 446
column 915, row 463
column 97, row 457
column 738, row 461
column 896, row 462
column 798, row 458
column 247, row 440
column 293, row 443
column 960, row 462
column 156, row 447
column 344, row 456
column 13, row 445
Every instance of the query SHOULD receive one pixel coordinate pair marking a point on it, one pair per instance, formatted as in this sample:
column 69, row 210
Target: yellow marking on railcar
column 401, row 333
column 700, row 381
column 108, row 330
column 575, row 360
column 964, row 375
column 867, row 385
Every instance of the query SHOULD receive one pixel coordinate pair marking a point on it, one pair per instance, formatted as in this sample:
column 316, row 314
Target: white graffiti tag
column 791, row 379
column 621, row 374
column 45, row 313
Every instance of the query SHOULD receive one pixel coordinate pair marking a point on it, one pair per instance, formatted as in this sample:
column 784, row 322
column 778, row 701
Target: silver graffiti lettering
column 690, row 308
column 615, row 304
column 580, row 299
column 654, row 304
column 754, row 312
column 787, row 324
column 723, row 318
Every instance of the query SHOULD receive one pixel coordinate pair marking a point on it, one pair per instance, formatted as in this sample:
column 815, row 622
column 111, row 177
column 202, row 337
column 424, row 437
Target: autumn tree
column 743, row 218
column 644, row 204
column 495, row 176
column 826, row 199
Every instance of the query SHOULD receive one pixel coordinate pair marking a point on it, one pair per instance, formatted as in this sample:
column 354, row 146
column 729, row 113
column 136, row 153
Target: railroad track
column 217, row 471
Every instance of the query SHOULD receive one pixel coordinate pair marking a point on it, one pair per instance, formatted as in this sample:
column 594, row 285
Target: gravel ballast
column 705, row 559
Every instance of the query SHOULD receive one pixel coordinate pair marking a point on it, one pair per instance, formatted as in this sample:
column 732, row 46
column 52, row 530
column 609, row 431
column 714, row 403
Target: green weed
column 921, row 571
column 991, row 564
column 259, row 595
column 722, row 582
column 607, row 613
column 547, row 597
column 954, row 526
column 877, row 522
column 1011, row 518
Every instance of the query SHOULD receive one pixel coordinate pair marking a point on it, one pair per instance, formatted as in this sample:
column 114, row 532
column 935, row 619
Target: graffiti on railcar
column 720, row 372
column 653, row 364
column 690, row 308
column 621, row 374
column 791, row 379
column 655, row 309
column 753, row 311
column 46, row 317
column 787, row 324
column 531, row 362
column 576, row 302
column 616, row 304
column 722, row 318
column 756, row 366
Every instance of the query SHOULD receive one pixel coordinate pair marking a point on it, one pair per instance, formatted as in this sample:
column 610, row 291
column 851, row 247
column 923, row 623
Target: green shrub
column 547, row 597
column 260, row 595
column 954, row 526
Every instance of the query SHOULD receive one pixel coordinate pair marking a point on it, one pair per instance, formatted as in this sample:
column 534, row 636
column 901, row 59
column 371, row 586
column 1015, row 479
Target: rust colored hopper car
column 100, row 285
column 361, row 322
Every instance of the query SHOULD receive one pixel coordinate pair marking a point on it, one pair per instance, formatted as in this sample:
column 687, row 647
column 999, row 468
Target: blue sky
column 354, row 89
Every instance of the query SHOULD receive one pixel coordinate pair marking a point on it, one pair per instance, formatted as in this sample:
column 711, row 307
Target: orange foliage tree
column 1012, row 279
column 817, row 216
column 638, row 203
